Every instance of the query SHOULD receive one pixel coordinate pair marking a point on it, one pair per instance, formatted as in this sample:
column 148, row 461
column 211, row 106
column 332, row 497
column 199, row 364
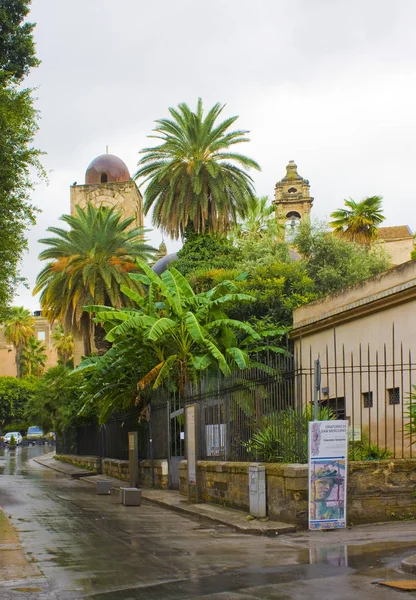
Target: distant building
column 43, row 333
column 399, row 242
column 365, row 338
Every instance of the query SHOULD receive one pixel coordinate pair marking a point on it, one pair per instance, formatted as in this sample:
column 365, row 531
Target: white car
column 17, row 437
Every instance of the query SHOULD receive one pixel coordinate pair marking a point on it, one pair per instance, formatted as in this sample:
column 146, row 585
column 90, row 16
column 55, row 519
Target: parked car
column 34, row 433
column 17, row 437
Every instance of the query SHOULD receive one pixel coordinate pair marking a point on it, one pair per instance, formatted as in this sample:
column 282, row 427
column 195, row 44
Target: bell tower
column 292, row 199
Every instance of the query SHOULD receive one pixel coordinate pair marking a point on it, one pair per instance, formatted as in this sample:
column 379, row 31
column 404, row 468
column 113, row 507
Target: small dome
column 163, row 263
column 105, row 169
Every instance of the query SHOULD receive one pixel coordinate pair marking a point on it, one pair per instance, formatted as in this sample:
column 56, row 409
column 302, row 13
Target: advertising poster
column 328, row 454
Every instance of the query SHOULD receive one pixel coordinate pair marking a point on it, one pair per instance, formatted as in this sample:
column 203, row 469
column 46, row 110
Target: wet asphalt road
column 86, row 545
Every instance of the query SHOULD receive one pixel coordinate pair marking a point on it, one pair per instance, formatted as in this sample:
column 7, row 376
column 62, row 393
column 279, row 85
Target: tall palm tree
column 19, row 327
column 33, row 357
column 63, row 343
column 359, row 221
column 88, row 264
column 194, row 179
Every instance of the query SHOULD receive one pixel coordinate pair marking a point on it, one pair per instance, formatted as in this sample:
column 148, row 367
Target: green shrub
column 284, row 435
column 365, row 450
column 12, row 441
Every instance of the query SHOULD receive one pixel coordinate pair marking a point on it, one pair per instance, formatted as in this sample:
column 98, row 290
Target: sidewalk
column 171, row 499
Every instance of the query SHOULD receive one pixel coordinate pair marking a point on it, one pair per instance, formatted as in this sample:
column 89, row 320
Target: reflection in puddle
column 357, row 556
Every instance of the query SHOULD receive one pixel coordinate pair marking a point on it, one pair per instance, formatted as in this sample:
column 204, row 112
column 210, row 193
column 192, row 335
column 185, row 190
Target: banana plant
column 171, row 336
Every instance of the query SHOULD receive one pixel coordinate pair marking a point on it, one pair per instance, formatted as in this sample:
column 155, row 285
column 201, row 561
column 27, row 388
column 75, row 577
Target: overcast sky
column 330, row 84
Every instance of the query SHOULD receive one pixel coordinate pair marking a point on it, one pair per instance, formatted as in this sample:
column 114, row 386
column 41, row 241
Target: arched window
column 104, row 178
column 292, row 190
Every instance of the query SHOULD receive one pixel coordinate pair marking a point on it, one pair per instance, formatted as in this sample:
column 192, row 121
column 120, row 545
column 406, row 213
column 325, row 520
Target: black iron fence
column 106, row 441
column 263, row 415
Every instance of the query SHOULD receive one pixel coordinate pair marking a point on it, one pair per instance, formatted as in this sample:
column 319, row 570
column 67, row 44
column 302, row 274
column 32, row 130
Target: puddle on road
column 359, row 556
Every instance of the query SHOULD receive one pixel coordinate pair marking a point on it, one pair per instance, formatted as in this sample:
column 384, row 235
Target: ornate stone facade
column 292, row 197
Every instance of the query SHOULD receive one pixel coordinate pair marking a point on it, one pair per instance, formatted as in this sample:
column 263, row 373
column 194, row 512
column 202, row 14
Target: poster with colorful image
column 328, row 455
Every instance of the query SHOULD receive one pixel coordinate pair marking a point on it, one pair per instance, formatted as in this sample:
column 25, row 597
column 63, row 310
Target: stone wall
column 120, row 469
column 377, row 490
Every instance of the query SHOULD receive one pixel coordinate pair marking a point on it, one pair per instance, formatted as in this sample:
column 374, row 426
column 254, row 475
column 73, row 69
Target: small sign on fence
column 328, row 455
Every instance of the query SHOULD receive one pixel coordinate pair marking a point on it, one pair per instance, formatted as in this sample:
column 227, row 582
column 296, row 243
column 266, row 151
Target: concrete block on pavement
column 103, row 486
column 130, row 496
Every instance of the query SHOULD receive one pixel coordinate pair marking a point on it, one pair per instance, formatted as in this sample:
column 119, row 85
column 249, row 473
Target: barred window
column 394, row 395
column 367, row 399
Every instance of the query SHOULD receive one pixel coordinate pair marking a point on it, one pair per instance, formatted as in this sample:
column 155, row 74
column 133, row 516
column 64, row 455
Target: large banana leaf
column 133, row 295
column 240, row 357
column 234, row 324
column 161, row 326
column 164, row 371
column 139, row 322
column 180, row 281
column 194, row 328
column 150, row 376
column 202, row 362
column 174, row 287
column 218, row 355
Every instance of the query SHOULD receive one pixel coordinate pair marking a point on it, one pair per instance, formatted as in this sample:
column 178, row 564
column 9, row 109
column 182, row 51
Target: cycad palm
column 194, row 179
column 359, row 221
column 19, row 327
column 88, row 264
column 34, row 357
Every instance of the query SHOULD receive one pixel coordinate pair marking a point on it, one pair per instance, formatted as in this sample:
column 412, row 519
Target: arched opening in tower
column 104, row 178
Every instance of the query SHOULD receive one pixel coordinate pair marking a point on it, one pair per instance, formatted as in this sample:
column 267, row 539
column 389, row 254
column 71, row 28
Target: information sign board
column 328, row 455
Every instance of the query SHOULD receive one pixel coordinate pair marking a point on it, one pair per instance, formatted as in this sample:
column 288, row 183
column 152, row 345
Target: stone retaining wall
column 120, row 468
column 377, row 490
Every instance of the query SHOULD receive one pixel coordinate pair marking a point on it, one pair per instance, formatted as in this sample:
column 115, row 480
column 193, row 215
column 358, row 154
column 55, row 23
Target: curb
column 196, row 512
column 409, row 564
column 189, row 511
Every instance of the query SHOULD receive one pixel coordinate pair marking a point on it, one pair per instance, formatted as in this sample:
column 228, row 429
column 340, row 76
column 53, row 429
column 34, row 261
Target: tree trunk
column 18, row 360
column 86, row 333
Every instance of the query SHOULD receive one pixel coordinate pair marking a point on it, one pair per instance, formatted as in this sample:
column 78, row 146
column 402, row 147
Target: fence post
column 151, row 444
column 316, row 388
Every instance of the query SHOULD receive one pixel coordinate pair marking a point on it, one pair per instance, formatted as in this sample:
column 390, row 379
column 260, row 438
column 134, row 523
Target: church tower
column 108, row 183
column 292, row 198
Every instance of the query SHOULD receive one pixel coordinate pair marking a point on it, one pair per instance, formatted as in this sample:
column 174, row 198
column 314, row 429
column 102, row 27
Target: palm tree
column 88, row 264
column 33, row 357
column 19, row 327
column 63, row 343
column 260, row 220
column 359, row 222
column 193, row 177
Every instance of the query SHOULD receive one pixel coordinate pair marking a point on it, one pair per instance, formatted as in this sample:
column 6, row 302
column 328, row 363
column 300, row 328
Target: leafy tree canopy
column 206, row 252
column 18, row 158
column 335, row 263
column 14, row 394
column 17, row 47
column 56, row 400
